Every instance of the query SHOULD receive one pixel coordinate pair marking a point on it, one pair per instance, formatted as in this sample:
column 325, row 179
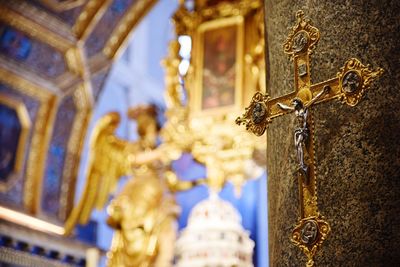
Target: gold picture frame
column 245, row 20
column 219, row 56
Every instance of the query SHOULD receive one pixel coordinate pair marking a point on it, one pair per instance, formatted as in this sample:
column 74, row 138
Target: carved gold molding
column 25, row 122
column 62, row 5
column 75, row 146
column 89, row 17
column 41, row 132
column 42, row 30
column 186, row 21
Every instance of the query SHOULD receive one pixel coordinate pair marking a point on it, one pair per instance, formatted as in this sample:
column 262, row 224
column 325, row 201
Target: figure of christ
column 302, row 131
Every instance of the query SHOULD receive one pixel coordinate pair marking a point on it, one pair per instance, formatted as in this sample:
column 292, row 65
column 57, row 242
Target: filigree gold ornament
column 255, row 116
column 349, row 86
column 303, row 38
column 354, row 79
column 309, row 234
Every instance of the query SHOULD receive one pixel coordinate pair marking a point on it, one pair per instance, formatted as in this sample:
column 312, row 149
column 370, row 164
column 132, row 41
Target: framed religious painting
column 227, row 62
column 219, row 61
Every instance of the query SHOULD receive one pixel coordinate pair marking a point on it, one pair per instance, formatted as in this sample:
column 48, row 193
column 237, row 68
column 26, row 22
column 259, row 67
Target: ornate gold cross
column 349, row 86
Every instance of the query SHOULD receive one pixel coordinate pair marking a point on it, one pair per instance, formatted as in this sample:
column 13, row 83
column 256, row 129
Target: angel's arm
column 176, row 185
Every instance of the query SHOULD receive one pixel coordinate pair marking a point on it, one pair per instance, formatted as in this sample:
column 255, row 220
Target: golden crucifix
column 349, row 86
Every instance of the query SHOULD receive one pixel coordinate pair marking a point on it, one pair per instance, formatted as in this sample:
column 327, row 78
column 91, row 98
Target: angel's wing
column 109, row 159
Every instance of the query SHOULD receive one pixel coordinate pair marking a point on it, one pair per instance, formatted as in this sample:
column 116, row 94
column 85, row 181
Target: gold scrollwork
column 303, row 37
column 256, row 116
column 354, row 79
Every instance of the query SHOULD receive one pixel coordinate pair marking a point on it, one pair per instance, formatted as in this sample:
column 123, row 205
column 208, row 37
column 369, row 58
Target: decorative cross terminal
column 349, row 86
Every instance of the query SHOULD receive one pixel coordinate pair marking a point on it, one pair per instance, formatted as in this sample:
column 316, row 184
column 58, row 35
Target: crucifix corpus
column 349, row 86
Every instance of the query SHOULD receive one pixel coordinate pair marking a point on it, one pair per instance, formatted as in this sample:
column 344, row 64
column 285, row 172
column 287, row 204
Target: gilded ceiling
column 54, row 58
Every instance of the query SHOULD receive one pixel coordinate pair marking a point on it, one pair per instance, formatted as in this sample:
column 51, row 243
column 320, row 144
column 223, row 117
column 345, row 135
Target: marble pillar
column 357, row 148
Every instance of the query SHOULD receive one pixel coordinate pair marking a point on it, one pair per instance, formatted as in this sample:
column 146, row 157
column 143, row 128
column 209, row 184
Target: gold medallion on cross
column 349, row 86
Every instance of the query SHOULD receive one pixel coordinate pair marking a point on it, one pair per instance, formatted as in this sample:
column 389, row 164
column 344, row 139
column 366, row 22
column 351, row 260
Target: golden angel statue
column 144, row 219
column 144, row 213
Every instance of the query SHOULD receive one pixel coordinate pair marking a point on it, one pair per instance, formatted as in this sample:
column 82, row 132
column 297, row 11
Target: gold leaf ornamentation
column 256, row 115
column 354, row 79
column 309, row 234
column 302, row 38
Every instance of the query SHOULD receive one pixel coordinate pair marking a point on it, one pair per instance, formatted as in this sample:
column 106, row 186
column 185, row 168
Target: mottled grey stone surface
column 357, row 148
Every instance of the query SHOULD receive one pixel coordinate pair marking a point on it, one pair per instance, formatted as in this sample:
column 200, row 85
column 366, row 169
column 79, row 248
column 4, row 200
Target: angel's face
column 147, row 130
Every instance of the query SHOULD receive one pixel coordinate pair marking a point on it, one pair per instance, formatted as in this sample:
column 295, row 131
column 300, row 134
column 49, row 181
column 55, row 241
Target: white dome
column 216, row 214
column 214, row 237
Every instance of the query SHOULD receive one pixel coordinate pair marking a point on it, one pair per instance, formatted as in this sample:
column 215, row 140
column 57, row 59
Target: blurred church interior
column 133, row 133
column 117, row 138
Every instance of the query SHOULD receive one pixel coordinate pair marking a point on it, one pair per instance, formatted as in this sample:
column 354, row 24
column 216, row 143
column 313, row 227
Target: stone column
column 357, row 148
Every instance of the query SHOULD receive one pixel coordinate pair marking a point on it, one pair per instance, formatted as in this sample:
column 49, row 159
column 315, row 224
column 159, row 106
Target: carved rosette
column 354, row 79
column 303, row 37
column 256, row 116
column 309, row 234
